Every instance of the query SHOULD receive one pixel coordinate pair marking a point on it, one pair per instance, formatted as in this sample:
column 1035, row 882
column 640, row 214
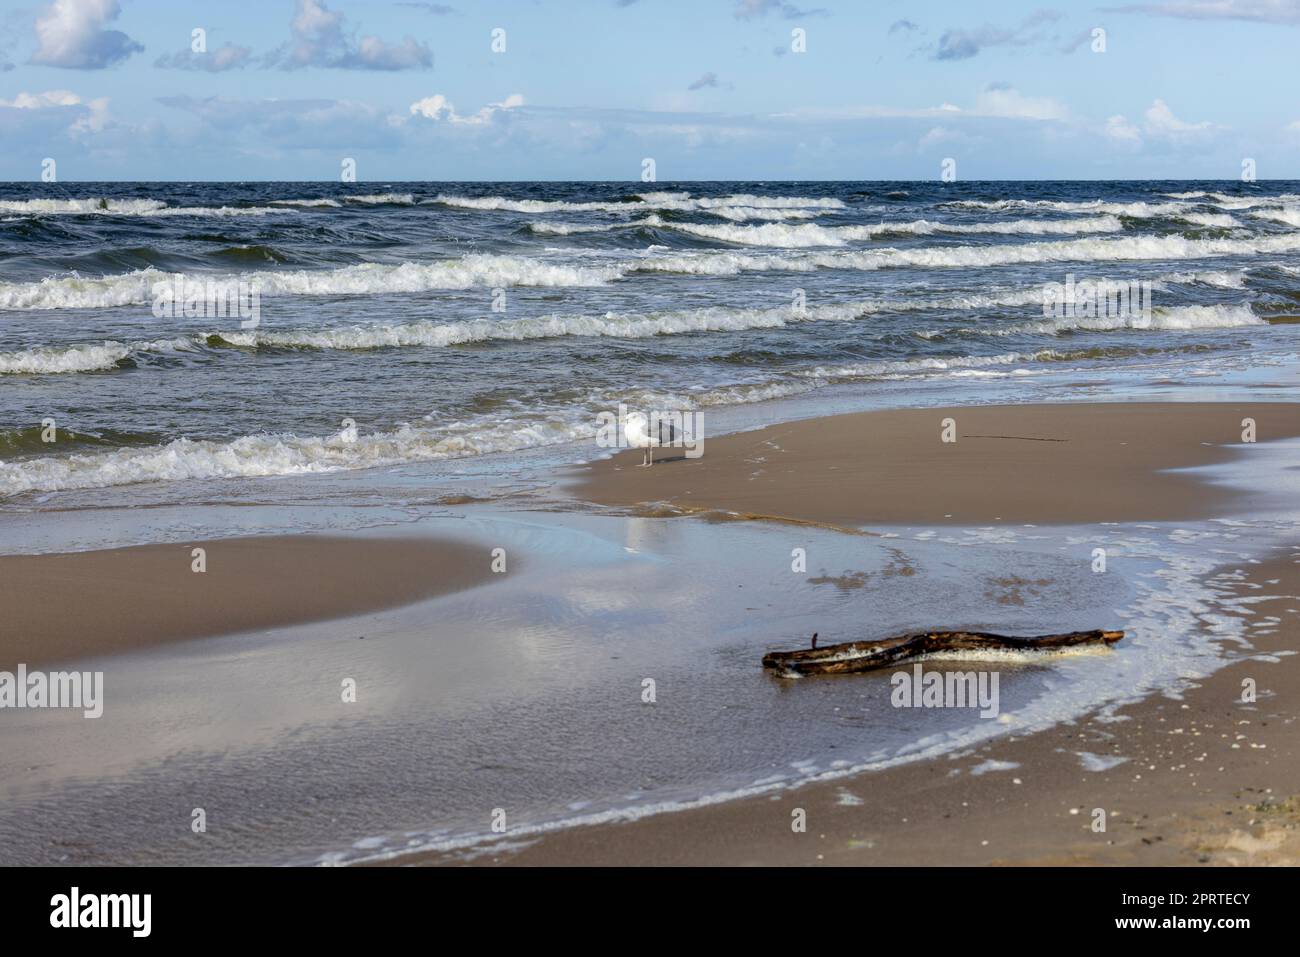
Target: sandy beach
column 1196, row 778
column 81, row 604
column 1048, row 464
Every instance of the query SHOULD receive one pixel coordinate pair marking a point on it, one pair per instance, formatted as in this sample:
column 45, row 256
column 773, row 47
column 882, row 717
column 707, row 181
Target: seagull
column 638, row 435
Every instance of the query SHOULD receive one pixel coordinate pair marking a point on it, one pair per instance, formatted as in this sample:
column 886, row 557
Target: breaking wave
column 1287, row 215
column 364, row 199
column 1137, row 210
column 122, row 207
column 1133, row 248
column 1173, row 318
column 135, row 288
column 430, row 334
column 1212, row 220
column 71, row 359
column 892, row 367
column 54, row 360
column 738, row 207
column 793, row 236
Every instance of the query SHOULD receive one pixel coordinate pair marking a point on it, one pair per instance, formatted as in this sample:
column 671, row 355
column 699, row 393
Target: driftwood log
column 855, row 656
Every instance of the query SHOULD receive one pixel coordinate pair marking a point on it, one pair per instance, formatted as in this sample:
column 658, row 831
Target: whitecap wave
column 364, row 199
column 742, row 214
column 811, row 234
column 382, row 199
column 1172, row 318
column 285, row 454
column 771, row 202
column 928, row 364
column 1286, row 215
column 89, row 357
column 1212, row 277
column 738, row 207
column 1211, row 220
column 1134, row 248
column 613, row 325
column 318, row 201
column 571, row 229
column 1136, row 210
column 430, row 334
column 136, row 288
column 123, row 207
column 76, row 292
column 52, row 359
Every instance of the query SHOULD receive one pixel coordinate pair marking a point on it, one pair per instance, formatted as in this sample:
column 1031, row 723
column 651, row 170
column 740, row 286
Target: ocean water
column 430, row 322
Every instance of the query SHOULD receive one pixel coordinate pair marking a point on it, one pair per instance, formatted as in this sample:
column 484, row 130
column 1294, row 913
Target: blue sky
column 586, row 89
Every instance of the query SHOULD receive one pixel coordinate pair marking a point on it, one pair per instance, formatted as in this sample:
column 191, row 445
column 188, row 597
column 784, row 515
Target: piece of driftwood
column 855, row 656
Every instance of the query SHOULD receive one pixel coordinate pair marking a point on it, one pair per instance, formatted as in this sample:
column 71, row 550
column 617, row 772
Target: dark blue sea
column 414, row 322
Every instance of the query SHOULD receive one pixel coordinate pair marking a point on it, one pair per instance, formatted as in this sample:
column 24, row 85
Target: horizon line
column 671, row 182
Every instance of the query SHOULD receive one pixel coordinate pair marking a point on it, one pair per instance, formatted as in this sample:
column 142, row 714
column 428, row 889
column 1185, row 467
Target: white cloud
column 1259, row 11
column 89, row 115
column 41, row 101
column 1160, row 121
column 71, row 34
column 1007, row 102
column 291, row 125
column 996, row 101
column 319, row 40
column 439, row 108
column 936, row 135
column 1120, row 129
column 753, row 9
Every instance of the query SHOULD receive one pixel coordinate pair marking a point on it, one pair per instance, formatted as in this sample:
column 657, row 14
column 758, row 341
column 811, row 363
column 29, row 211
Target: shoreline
column 71, row 605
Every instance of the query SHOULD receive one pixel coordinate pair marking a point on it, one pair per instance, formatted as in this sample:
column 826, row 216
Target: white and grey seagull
column 637, row 432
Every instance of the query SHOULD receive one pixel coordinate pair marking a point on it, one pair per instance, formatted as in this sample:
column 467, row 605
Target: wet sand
column 78, row 604
column 1205, row 780
column 1042, row 464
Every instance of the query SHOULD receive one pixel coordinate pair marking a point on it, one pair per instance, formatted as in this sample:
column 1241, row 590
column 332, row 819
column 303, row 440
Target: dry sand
column 63, row 606
column 1042, row 464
